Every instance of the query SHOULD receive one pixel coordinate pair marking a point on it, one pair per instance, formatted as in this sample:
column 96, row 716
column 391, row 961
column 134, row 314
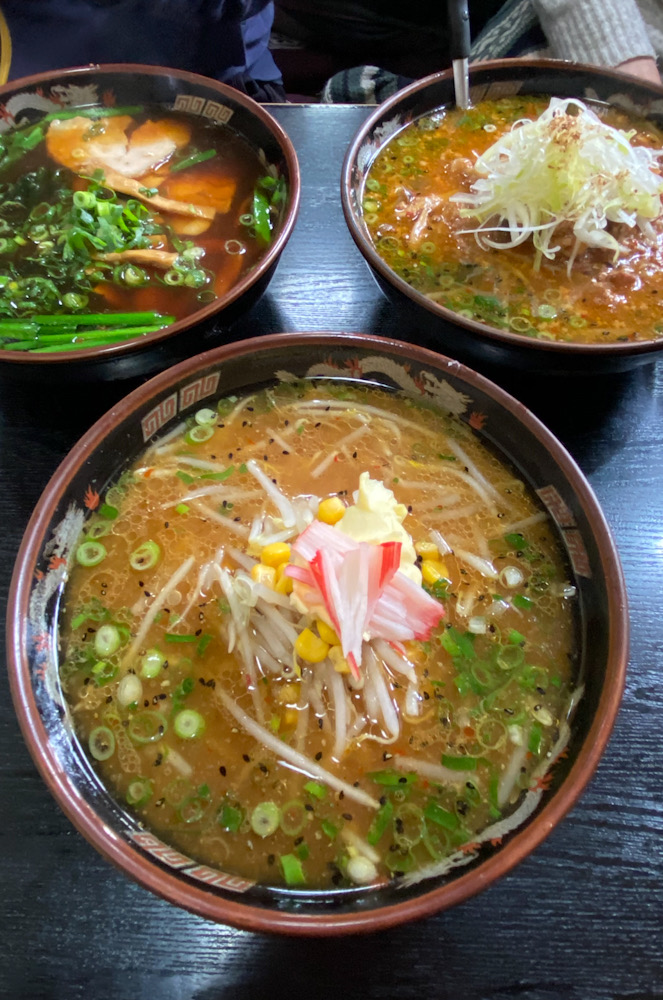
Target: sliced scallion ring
column 147, row 727
column 205, row 416
column 90, row 553
column 146, row 556
column 151, row 663
column 193, row 809
column 293, row 817
column 189, row 724
column 265, row 819
column 101, row 742
column 97, row 529
column 139, row 792
column 199, row 434
column 107, row 640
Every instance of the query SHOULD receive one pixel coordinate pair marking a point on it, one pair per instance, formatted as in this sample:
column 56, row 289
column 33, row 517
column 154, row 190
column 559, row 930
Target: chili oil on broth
column 492, row 685
column 59, row 257
column 415, row 229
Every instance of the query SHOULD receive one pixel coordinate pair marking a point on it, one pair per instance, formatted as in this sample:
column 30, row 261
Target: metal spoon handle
column 459, row 25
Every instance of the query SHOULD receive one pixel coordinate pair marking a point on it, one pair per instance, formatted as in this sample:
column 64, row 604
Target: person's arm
column 644, row 68
column 601, row 32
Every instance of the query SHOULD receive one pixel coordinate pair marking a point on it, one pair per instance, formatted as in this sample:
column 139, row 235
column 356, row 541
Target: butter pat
column 377, row 517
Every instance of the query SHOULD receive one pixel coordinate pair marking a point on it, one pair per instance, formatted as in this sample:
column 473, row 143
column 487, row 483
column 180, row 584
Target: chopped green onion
column 520, row 601
column 293, row 817
column 191, row 161
column 193, row 808
column 329, row 829
column 315, row 789
column 436, row 814
column 380, row 822
column 459, row 763
column 139, row 792
column 203, row 643
column 147, row 727
column 205, row 416
column 129, row 690
column 107, row 640
column 189, row 724
column 199, row 434
column 90, row 553
column 151, row 664
column 219, row 477
column 293, row 873
column 230, row 818
column 534, row 740
column 103, row 672
column 262, row 224
column 391, row 778
column 101, row 743
column 265, row 819
column 409, row 825
column 146, row 556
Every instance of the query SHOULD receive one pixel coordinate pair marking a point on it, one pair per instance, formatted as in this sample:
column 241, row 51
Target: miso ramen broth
column 539, row 217
column 115, row 223
column 320, row 636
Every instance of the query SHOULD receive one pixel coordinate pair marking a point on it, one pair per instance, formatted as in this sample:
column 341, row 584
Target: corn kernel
column 433, row 570
column 427, row 550
column 275, row 554
column 331, row 510
column 341, row 665
column 290, row 717
column 264, row 574
column 283, row 583
column 327, row 633
column 311, row 647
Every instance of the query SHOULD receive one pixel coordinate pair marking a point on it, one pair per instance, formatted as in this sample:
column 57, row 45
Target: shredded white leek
column 567, row 166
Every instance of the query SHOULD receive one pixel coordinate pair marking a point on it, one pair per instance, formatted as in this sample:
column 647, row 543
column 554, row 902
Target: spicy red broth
column 416, row 223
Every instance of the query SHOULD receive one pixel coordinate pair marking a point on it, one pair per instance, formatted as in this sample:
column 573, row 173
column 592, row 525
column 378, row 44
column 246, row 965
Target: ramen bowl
column 79, row 490
column 236, row 143
column 431, row 315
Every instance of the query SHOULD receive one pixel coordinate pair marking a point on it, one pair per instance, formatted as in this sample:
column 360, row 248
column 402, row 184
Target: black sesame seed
column 246, row 757
column 222, row 770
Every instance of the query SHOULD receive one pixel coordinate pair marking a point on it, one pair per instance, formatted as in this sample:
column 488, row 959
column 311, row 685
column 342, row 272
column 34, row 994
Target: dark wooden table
column 582, row 919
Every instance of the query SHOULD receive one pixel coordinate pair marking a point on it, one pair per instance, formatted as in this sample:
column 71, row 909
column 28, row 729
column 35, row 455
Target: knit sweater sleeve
column 601, row 32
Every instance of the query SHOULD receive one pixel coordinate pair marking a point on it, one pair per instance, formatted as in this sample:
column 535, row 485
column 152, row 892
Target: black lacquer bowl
column 435, row 325
column 29, row 99
column 151, row 411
